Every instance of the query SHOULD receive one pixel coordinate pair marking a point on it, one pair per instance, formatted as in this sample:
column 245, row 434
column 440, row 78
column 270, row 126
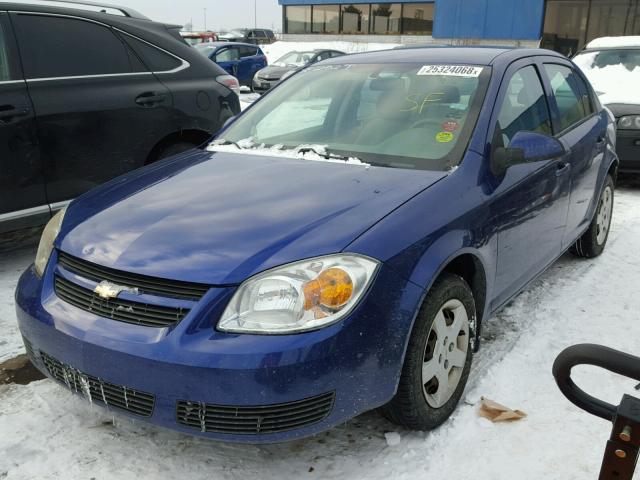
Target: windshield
column 296, row 59
column 614, row 73
column 396, row 115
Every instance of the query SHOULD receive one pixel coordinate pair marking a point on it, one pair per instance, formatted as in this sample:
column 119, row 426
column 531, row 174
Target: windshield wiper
column 222, row 142
column 324, row 153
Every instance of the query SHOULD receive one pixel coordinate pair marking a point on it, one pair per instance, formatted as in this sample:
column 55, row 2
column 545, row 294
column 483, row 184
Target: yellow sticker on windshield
column 444, row 137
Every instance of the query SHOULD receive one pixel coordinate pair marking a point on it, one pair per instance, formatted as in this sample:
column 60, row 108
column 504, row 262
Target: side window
column 570, row 100
column 155, row 59
column 227, row 55
column 336, row 54
column 5, row 72
column 324, row 56
column 585, row 95
column 524, row 108
column 247, row 52
column 64, row 47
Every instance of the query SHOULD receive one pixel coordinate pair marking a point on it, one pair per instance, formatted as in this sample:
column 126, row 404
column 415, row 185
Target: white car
column 612, row 65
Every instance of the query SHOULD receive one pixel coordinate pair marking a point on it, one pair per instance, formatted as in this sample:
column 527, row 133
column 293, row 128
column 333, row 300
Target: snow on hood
column 612, row 83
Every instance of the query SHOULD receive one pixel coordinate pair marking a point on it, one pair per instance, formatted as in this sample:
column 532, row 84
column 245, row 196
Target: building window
column 570, row 24
column 326, row 19
column 609, row 16
column 385, row 18
column 417, row 18
column 355, row 18
column 297, row 19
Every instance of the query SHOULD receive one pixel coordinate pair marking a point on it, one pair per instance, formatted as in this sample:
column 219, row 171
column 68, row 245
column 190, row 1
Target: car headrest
column 450, row 94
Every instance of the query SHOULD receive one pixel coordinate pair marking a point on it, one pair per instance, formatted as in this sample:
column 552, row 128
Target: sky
column 220, row 13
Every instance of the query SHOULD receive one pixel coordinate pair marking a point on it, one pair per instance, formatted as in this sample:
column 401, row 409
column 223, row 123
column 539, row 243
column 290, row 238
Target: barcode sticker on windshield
column 451, row 70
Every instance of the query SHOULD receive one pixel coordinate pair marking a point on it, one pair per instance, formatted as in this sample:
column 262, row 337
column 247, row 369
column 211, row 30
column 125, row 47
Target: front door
column 229, row 59
column 99, row 110
column 22, row 194
column 530, row 202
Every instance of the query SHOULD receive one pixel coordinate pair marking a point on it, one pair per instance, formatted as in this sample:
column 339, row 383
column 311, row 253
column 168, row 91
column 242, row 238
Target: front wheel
column 438, row 358
column 592, row 242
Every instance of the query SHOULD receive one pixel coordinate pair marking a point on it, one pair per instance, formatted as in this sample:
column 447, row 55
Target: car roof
column 228, row 44
column 629, row 41
column 73, row 7
column 477, row 55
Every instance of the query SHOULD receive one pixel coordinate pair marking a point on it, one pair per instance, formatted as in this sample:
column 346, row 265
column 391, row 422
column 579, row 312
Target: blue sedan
column 242, row 60
column 335, row 249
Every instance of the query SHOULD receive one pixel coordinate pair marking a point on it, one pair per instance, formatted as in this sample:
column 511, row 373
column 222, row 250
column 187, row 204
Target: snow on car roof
column 612, row 42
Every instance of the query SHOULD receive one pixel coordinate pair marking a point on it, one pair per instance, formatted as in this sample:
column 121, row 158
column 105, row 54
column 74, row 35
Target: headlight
column 46, row 241
column 300, row 296
column 631, row 122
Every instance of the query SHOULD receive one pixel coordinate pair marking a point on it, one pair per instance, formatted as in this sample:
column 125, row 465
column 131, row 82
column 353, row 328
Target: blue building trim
column 489, row 19
column 473, row 19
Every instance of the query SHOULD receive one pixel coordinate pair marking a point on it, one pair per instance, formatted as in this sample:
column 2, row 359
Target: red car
column 194, row 38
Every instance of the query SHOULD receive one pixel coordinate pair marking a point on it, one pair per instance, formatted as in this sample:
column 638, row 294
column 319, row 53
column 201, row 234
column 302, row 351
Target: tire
column 591, row 244
column 174, row 149
column 420, row 404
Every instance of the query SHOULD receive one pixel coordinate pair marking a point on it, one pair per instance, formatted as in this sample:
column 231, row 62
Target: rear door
column 250, row 63
column 99, row 110
column 531, row 201
column 22, row 194
column 583, row 132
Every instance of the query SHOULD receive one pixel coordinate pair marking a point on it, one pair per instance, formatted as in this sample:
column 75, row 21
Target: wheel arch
column 194, row 136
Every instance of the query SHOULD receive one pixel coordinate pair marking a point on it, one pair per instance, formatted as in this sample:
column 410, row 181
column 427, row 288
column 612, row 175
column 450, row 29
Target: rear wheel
column 438, row 358
column 593, row 241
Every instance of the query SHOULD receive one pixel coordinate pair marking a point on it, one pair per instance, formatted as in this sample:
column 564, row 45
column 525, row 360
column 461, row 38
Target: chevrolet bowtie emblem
column 108, row 290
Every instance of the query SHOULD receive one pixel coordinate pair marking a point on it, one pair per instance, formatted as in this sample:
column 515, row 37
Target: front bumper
column 192, row 371
column 262, row 85
column 628, row 150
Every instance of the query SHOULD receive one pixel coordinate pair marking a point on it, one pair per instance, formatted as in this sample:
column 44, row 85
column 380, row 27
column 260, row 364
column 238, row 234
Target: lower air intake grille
column 95, row 390
column 116, row 309
column 255, row 420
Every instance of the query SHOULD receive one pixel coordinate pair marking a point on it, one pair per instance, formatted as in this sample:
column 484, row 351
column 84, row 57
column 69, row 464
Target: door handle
column 150, row 99
column 9, row 112
column 562, row 168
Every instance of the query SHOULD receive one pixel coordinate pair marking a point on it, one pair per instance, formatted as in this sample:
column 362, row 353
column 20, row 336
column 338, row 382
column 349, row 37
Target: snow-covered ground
column 46, row 432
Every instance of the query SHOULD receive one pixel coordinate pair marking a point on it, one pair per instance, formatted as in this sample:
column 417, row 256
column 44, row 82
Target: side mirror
column 525, row 147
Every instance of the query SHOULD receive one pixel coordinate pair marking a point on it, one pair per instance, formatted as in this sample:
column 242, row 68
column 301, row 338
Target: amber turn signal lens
column 332, row 289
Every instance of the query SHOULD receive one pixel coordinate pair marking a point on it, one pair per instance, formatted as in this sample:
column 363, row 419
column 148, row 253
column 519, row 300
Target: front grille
column 144, row 284
column 254, row 420
column 117, row 309
column 95, row 390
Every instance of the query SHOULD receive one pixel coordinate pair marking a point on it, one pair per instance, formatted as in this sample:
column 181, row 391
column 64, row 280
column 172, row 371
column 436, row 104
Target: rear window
column 155, row 59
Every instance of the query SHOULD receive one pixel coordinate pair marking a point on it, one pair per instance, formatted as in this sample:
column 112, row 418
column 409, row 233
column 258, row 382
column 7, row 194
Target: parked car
column 74, row 114
column 612, row 65
column 242, row 60
column 288, row 64
column 334, row 250
column 256, row 36
column 195, row 38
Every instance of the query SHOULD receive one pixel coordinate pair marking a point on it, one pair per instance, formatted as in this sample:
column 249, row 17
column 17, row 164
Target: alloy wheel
column 603, row 219
column 445, row 353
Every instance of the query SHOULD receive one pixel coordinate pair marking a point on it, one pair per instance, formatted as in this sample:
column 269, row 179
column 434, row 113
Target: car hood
column 273, row 71
column 218, row 218
column 621, row 109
